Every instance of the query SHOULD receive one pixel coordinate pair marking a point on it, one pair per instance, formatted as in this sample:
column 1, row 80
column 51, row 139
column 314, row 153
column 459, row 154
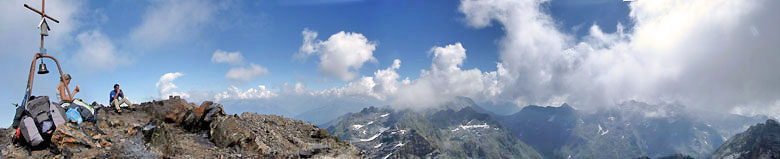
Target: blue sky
column 138, row 43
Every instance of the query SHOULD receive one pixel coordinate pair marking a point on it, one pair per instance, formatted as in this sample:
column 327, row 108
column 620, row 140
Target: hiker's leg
column 116, row 104
column 130, row 105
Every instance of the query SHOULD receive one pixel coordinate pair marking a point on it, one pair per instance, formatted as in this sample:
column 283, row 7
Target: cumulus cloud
column 232, row 58
column 443, row 81
column 680, row 51
column 244, row 74
column 165, row 85
column 235, row 93
column 341, row 56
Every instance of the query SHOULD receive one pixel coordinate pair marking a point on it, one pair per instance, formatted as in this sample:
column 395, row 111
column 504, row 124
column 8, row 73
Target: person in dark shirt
column 118, row 97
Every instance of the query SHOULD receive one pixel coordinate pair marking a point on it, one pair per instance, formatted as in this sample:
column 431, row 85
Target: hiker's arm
column 116, row 95
column 74, row 93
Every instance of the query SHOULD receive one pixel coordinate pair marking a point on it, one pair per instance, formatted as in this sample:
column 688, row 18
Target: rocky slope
column 759, row 141
column 174, row 128
column 456, row 130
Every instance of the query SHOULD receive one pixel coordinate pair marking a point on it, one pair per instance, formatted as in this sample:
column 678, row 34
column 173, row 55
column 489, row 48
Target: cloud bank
column 679, row 51
column 687, row 52
column 235, row 93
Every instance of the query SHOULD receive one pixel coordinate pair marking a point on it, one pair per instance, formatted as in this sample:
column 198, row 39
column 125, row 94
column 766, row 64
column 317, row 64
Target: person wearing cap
column 63, row 92
column 115, row 100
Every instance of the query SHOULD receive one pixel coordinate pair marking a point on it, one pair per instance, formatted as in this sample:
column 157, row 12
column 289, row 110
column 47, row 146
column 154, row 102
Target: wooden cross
column 43, row 15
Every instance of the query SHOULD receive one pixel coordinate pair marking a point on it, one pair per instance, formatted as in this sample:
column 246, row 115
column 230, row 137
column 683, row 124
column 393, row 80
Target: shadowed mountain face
column 456, row 130
column 545, row 128
column 631, row 130
column 760, row 141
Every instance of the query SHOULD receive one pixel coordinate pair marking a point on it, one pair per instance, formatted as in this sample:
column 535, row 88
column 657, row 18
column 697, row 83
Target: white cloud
column 675, row 53
column 310, row 44
column 244, row 74
column 238, row 74
column 169, row 21
column 685, row 51
column 384, row 83
column 448, row 58
column 235, row 93
column 97, row 52
column 166, row 87
column 443, row 81
column 232, row 58
column 341, row 56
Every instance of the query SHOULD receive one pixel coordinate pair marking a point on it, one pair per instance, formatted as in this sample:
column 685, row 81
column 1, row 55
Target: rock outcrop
column 759, row 141
column 174, row 128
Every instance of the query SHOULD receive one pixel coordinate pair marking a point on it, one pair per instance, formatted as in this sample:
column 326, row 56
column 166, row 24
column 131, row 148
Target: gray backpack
column 38, row 117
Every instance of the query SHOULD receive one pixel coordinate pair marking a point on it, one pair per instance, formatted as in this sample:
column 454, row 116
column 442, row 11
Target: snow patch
column 372, row 137
column 381, row 130
column 358, row 126
column 464, row 127
column 398, row 145
column 602, row 132
column 388, row 155
column 378, row 145
column 384, row 115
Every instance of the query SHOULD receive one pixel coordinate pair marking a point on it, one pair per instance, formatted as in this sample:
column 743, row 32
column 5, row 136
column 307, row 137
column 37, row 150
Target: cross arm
column 41, row 13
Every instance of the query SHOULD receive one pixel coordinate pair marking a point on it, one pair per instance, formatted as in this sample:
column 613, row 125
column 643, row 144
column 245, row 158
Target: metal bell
column 42, row 68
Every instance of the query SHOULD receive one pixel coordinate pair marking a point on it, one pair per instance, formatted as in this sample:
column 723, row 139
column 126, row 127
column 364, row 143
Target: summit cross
column 44, row 16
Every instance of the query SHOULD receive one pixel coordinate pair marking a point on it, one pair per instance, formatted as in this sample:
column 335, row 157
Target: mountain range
column 463, row 129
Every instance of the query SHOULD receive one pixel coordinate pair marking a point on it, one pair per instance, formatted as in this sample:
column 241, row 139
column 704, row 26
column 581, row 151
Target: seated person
column 63, row 92
column 115, row 100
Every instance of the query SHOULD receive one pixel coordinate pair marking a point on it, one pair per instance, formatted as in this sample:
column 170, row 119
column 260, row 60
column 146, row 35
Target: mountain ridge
column 454, row 130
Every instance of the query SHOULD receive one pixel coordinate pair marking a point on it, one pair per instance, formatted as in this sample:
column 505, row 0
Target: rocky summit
column 174, row 128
